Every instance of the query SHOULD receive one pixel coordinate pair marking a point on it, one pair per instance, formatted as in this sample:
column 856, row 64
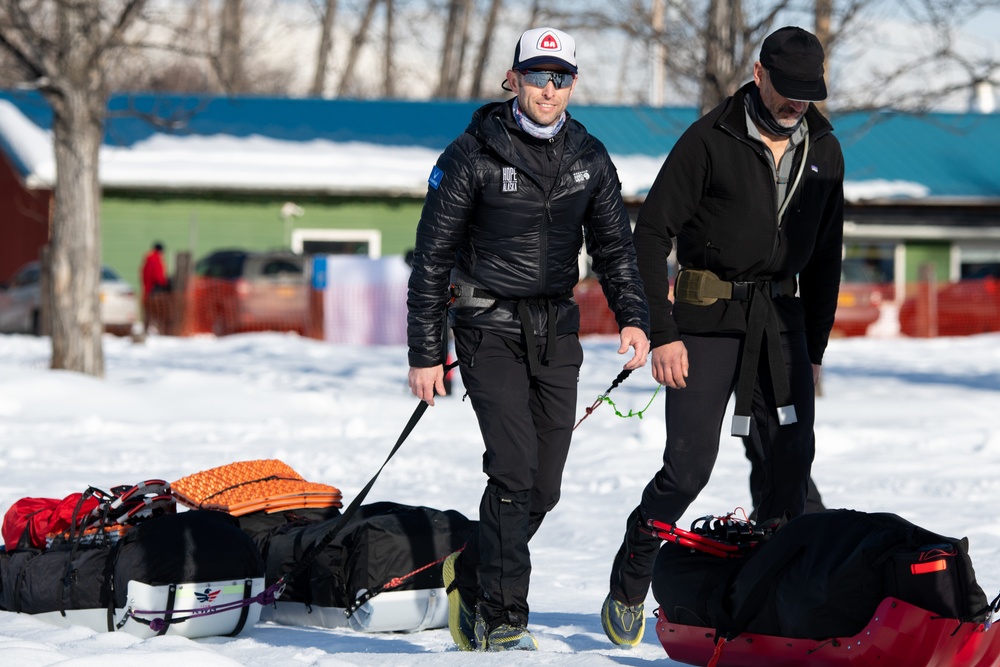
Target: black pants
column 695, row 417
column 527, row 424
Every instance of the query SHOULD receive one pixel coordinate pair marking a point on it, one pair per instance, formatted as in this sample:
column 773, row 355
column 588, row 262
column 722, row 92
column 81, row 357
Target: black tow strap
column 317, row 547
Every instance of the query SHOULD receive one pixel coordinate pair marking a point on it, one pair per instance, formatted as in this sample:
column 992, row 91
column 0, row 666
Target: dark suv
column 239, row 290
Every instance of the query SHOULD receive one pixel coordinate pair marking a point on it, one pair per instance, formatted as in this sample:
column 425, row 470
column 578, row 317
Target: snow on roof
column 257, row 163
column 387, row 149
column 881, row 189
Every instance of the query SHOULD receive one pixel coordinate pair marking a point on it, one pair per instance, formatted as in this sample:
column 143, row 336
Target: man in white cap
column 510, row 203
column 753, row 194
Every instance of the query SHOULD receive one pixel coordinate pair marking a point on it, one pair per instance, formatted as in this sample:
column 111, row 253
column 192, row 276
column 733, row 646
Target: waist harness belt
column 521, row 306
column 703, row 288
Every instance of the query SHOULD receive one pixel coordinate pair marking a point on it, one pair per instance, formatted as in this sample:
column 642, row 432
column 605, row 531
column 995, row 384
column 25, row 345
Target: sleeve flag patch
column 436, row 176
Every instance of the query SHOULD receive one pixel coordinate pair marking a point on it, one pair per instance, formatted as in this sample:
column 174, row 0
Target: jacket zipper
column 777, row 227
column 547, row 202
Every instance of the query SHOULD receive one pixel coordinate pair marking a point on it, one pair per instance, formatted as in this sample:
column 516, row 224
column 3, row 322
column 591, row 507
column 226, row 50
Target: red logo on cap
column 549, row 41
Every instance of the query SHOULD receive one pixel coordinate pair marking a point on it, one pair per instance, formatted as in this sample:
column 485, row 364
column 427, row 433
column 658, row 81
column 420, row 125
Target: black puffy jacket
column 489, row 225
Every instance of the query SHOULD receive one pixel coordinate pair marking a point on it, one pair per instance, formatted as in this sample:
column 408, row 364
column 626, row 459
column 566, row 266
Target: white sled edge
column 192, row 602
column 392, row 611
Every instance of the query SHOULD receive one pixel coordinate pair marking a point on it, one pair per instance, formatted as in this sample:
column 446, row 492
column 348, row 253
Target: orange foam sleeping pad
column 252, row 486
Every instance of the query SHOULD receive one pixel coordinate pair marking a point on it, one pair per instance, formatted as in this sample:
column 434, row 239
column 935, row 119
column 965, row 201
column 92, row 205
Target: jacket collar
column 494, row 122
column 733, row 116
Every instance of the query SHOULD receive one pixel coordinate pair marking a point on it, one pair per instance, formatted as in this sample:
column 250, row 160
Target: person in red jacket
column 154, row 279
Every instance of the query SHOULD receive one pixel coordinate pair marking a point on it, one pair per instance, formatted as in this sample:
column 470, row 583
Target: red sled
column 898, row 635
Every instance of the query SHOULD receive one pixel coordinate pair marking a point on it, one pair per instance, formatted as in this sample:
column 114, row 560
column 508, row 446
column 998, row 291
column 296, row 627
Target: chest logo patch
column 509, row 180
column 581, row 176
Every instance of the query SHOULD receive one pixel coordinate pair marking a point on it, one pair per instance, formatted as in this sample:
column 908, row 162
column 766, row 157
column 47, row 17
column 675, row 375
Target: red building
column 26, row 220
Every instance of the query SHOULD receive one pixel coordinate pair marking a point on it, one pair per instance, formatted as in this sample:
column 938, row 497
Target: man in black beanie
column 753, row 194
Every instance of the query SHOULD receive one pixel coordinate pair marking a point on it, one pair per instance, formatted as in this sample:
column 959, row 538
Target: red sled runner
column 899, row 635
column 832, row 589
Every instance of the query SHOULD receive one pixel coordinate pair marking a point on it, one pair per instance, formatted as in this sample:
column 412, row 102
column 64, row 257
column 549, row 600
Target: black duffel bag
column 382, row 542
column 821, row 575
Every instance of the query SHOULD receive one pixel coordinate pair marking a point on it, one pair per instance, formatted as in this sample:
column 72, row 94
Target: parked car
column 963, row 308
column 239, row 290
column 862, row 292
column 20, row 301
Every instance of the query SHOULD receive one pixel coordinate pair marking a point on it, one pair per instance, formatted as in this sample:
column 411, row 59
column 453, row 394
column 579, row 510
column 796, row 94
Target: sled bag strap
column 171, row 595
column 758, row 592
column 244, row 610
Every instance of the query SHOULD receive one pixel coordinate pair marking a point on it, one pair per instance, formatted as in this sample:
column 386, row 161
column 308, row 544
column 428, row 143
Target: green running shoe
column 622, row 624
column 460, row 617
column 506, row 637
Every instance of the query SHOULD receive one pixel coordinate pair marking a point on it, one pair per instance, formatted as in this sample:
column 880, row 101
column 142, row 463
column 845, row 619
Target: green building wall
column 130, row 225
column 936, row 254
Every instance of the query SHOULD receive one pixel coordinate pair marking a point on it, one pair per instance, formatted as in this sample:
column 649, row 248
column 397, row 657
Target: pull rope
column 618, row 380
column 603, row 398
column 392, row 583
column 638, row 414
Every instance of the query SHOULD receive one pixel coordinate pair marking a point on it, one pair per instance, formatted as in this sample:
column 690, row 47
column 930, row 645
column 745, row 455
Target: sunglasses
column 541, row 78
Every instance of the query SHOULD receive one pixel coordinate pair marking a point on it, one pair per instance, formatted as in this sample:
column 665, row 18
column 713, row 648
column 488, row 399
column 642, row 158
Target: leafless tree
column 908, row 76
column 65, row 49
column 388, row 85
column 486, row 40
column 456, row 35
column 730, row 38
column 360, row 36
column 712, row 45
column 329, row 14
column 230, row 64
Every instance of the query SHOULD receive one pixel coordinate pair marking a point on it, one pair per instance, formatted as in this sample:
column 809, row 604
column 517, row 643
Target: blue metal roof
column 952, row 155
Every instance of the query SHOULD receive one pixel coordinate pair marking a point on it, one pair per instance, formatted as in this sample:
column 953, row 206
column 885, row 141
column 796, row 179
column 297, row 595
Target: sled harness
column 726, row 537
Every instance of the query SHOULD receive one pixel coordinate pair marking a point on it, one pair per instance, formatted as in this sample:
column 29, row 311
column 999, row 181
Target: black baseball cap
column 793, row 58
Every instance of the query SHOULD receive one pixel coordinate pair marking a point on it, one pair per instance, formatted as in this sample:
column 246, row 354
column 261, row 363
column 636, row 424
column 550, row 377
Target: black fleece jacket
column 716, row 195
column 490, row 222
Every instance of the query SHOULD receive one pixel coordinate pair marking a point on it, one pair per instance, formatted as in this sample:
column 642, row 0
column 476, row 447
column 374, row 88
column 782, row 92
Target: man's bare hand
column 424, row 382
column 635, row 338
column 670, row 365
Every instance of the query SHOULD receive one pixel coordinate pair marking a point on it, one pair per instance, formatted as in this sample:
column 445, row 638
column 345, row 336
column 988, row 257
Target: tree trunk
column 824, row 11
column 479, row 67
column 658, row 57
column 725, row 21
column 448, row 64
column 389, row 88
column 356, row 44
column 75, row 248
column 230, row 67
column 325, row 47
column 458, row 64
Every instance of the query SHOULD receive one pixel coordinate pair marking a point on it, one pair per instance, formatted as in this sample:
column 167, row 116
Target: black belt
column 704, row 288
column 521, row 306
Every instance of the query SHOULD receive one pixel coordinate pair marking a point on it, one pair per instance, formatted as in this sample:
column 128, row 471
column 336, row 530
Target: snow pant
column 694, row 417
column 526, row 423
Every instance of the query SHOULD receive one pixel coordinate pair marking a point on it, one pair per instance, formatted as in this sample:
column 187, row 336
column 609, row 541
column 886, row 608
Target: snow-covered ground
column 905, row 426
